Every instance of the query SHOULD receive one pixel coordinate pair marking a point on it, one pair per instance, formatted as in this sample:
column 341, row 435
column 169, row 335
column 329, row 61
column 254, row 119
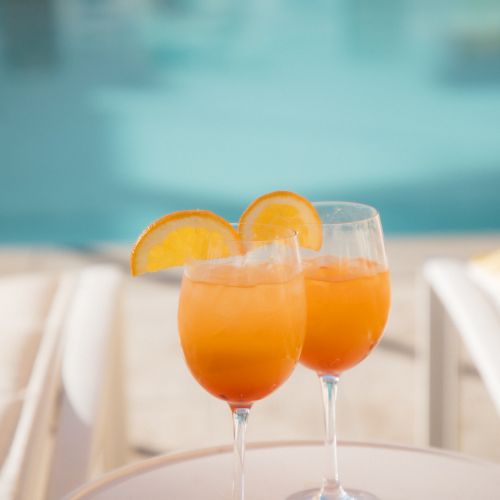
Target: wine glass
column 242, row 323
column 348, row 298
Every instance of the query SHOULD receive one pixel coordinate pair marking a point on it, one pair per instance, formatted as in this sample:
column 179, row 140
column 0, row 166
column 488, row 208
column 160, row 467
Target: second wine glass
column 348, row 297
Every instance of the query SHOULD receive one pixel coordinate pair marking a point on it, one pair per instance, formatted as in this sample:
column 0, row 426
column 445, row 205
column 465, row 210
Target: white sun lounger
column 453, row 296
column 71, row 425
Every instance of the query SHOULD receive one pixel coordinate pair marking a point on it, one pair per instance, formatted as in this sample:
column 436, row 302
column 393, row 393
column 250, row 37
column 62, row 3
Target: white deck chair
column 454, row 297
column 71, row 425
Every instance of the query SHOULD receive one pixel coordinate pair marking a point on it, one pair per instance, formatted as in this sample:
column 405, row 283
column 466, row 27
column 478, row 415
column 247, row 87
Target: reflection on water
column 387, row 23
column 473, row 50
column 29, row 33
column 114, row 112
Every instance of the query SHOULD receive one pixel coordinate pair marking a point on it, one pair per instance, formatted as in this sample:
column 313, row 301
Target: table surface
column 276, row 470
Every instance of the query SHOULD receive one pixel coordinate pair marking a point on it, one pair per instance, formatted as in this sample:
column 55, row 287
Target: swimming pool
column 113, row 113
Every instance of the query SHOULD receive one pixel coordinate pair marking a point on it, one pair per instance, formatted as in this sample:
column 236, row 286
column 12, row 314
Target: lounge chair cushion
column 25, row 302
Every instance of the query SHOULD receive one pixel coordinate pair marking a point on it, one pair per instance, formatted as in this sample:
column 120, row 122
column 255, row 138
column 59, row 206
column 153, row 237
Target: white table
column 274, row 471
column 451, row 297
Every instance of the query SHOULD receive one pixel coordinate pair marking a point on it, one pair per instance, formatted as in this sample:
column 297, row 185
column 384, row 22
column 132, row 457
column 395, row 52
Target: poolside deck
column 378, row 401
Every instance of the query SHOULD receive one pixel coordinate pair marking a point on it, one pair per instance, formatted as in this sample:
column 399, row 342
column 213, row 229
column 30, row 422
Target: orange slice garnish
column 179, row 237
column 287, row 209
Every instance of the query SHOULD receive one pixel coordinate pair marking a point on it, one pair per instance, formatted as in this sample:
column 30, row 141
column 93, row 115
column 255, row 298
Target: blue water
column 113, row 113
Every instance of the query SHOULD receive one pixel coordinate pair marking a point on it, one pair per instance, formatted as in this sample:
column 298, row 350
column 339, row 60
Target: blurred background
column 115, row 112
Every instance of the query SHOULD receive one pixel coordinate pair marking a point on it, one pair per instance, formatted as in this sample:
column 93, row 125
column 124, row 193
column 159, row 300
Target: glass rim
column 361, row 220
column 241, row 245
column 287, row 233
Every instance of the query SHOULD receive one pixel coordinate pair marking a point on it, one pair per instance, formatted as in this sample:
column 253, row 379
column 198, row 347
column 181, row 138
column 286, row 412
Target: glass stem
column 331, row 482
column 240, row 418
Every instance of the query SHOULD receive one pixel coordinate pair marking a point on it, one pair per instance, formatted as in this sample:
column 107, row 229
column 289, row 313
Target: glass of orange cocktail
column 242, row 322
column 348, row 298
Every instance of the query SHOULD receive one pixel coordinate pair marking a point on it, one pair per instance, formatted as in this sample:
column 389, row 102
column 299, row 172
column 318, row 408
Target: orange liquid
column 242, row 332
column 347, row 308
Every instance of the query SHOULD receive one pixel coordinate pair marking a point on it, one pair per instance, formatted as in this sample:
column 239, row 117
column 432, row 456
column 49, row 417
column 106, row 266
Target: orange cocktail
column 242, row 307
column 347, row 296
column 347, row 308
column 242, row 329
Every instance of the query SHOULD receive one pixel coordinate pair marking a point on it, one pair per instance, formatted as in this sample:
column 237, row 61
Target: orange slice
column 176, row 238
column 287, row 209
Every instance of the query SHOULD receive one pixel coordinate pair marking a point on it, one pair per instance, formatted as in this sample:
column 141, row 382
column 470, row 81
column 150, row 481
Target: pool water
column 113, row 113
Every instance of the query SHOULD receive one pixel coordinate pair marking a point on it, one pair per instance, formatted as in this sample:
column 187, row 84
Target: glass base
column 338, row 495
